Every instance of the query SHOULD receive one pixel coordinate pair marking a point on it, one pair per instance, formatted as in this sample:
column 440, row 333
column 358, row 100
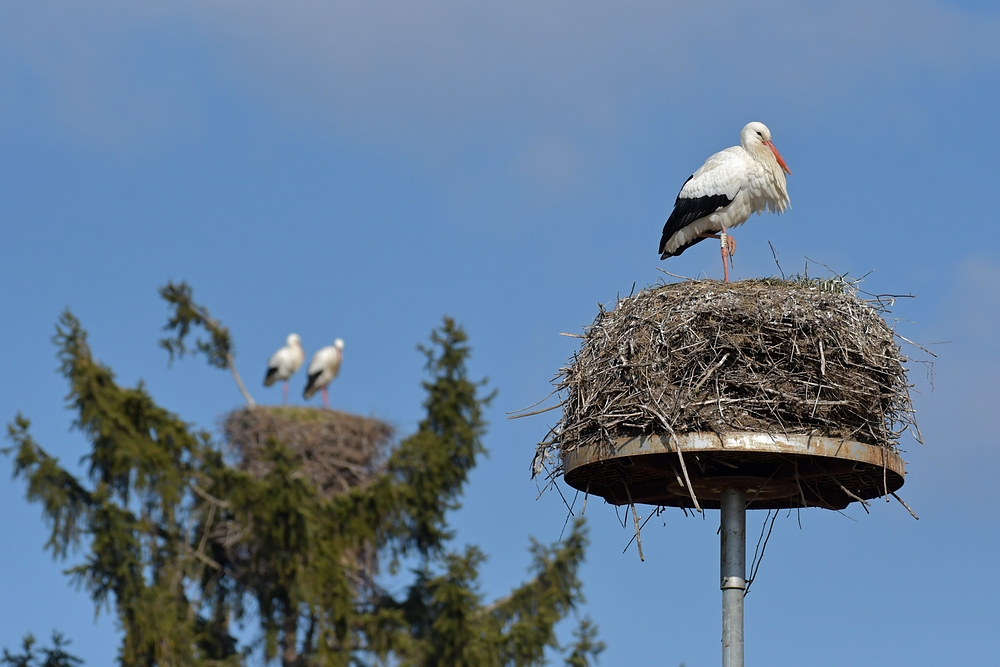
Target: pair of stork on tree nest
column 723, row 193
column 323, row 368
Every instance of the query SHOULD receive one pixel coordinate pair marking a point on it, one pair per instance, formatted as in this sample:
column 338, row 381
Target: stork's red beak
column 777, row 156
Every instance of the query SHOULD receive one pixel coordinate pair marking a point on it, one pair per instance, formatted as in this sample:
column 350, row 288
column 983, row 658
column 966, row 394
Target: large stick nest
column 775, row 356
column 337, row 450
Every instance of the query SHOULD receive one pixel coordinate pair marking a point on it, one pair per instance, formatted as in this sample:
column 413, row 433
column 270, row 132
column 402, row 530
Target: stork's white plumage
column 283, row 364
column 323, row 369
column 723, row 193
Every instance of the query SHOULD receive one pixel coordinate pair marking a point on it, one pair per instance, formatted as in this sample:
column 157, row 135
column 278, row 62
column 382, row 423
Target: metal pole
column 734, row 547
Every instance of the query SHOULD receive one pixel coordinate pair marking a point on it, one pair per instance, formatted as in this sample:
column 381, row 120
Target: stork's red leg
column 326, row 399
column 284, row 394
column 730, row 250
column 728, row 244
column 724, row 244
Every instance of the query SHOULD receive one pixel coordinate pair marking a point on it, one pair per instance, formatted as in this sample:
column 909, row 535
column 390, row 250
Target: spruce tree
column 180, row 543
column 44, row 657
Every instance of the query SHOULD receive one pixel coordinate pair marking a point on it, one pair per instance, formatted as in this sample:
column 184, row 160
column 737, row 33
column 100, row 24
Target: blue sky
column 358, row 170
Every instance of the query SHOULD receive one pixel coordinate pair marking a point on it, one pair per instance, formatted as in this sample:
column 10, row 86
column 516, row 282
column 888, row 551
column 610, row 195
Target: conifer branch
column 218, row 348
column 47, row 657
column 586, row 648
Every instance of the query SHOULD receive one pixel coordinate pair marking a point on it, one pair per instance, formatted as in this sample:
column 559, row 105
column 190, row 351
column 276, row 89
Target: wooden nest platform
column 794, row 390
column 337, row 450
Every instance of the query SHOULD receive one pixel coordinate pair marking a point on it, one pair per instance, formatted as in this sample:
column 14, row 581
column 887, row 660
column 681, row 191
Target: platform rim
column 628, row 451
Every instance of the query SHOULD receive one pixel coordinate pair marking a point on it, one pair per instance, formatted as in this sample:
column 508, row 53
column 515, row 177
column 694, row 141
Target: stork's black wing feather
column 687, row 210
column 269, row 378
column 311, row 382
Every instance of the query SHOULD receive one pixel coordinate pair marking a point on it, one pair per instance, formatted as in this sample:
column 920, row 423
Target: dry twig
column 901, row 502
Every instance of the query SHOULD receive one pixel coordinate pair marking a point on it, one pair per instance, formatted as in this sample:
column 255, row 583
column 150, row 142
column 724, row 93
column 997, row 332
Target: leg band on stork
column 728, row 244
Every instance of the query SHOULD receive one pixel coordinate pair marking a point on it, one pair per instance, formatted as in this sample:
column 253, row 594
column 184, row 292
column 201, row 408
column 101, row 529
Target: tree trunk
column 289, row 651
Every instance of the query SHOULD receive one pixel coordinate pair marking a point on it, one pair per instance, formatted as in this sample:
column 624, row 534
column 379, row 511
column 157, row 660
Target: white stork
column 323, row 369
column 723, row 193
column 283, row 364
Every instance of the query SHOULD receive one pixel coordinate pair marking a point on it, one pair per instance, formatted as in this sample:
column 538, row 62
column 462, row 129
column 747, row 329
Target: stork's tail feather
column 311, row 387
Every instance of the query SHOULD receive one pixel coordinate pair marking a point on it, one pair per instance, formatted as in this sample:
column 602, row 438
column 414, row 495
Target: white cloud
column 380, row 66
column 432, row 74
column 94, row 75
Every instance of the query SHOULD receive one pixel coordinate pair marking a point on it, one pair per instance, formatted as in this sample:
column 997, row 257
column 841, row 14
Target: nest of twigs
column 337, row 451
column 800, row 356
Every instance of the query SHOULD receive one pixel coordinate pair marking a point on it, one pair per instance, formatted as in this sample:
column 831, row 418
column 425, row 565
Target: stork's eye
column 760, row 135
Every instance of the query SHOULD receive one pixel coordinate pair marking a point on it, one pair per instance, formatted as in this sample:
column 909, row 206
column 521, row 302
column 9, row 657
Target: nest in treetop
column 803, row 356
column 337, row 451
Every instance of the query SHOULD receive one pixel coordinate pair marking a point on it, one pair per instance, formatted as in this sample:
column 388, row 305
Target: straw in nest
column 776, row 356
column 337, row 450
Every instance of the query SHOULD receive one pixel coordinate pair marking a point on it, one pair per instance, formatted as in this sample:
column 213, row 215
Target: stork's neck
column 752, row 144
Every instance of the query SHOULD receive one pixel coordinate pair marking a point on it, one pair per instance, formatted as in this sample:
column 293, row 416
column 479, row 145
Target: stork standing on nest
column 723, row 193
column 323, row 369
column 283, row 364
